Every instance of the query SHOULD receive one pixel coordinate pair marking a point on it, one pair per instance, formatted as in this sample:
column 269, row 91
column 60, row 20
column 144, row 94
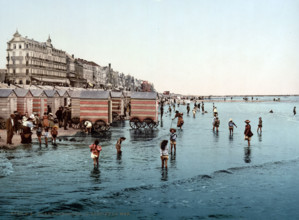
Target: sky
column 192, row 47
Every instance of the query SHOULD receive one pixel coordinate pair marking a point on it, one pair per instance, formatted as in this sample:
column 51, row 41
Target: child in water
column 164, row 153
column 188, row 109
column 194, row 111
column 54, row 133
column 95, row 150
column 39, row 131
column 46, row 134
column 169, row 109
column 231, row 125
column 216, row 124
column 173, row 137
column 260, row 125
column 180, row 119
column 118, row 145
column 248, row 134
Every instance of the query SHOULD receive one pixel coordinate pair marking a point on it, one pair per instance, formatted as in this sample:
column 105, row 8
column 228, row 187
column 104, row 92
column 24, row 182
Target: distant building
column 33, row 62
column 2, row 75
column 73, row 72
column 146, row 86
column 87, row 70
column 100, row 75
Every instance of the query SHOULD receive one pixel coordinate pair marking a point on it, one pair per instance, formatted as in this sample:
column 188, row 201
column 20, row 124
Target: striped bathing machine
column 53, row 98
column 144, row 110
column 24, row 101
column 117, row 99
column 64, row 98
column 8, row 104
column 39, row 103
column 93, row 106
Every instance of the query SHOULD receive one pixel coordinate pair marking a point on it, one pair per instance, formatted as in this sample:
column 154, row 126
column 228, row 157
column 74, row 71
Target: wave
column 6, row 167
column 126, row 196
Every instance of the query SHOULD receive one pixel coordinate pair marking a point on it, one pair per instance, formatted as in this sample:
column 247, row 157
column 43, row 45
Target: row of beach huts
column 99, row 107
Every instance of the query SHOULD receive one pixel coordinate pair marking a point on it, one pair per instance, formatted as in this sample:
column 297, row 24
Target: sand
column 16, row 140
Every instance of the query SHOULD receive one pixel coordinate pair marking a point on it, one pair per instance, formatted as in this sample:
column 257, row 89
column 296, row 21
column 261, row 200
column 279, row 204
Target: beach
column 16, row 140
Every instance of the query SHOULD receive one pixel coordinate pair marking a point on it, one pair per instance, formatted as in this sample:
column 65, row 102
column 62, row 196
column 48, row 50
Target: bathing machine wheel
column 76, row 122
column 100, row 126
column 135, row 123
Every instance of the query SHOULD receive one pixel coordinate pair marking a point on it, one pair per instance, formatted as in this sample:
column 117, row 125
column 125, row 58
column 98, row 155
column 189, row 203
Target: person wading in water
column 180, row 119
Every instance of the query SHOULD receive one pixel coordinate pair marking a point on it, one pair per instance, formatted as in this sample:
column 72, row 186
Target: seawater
column 211, row 176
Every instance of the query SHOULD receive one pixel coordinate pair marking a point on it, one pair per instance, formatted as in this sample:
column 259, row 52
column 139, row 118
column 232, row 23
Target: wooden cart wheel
column 143, row 124
column 149, row 122
column 2, row 123
column 107, row 128
column 115, row 116
column 156, row 124
column 76, row 126
column 135, row 123
column 99, row 126
column 75, row 120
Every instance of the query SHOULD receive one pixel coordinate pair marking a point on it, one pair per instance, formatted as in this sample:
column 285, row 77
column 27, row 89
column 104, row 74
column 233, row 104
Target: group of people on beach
column 45, row 126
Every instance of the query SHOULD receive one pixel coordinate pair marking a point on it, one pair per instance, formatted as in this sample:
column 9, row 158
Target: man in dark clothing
column 129, row 109
column 49, row 110
column 10, row 128
column 16, row 119
column 69, row 116
column 65, row 117
column 161, row 109
column 59, row 116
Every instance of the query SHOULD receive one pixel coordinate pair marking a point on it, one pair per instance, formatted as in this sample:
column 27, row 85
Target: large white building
column 30, row 61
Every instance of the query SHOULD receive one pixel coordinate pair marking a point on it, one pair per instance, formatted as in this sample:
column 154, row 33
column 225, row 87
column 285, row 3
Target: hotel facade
column 30, row 62
column 33, row 62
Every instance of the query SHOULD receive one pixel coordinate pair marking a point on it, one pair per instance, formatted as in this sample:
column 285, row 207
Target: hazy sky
column 202, row 47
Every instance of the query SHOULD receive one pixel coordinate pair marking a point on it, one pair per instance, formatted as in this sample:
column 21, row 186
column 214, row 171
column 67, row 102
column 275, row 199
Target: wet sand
column 16, row 140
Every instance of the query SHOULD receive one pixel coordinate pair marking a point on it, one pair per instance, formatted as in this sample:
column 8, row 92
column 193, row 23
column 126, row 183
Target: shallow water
column 211, row 176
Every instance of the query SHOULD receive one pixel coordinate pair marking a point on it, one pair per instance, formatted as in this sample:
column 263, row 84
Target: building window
column 14, row 46
column 20, row 47
column 27, row 63
column 27, row 72
column 14, row 71
column 20, row 82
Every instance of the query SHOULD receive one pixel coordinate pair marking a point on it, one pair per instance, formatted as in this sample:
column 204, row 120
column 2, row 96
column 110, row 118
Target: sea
column 211, row 176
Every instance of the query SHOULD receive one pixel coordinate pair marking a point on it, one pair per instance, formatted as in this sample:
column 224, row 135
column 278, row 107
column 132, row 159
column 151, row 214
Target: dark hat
column 172, row 129
column 247, row 121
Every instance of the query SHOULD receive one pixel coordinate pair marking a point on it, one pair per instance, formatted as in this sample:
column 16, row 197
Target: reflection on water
column 173, row 160
column 118, row 157
column 95, row 175
column 247, row 154
column 164, row 174
column 143, row 134
column 260, row 137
